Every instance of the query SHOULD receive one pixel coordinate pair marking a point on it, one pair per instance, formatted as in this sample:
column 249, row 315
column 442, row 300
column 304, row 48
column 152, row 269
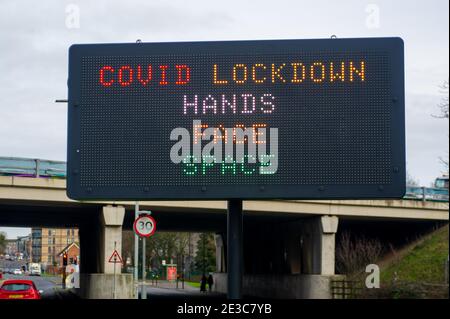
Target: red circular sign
column 144, row 225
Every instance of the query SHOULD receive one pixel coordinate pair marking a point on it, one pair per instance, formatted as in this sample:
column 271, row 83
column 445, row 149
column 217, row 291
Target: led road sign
column 237, row 119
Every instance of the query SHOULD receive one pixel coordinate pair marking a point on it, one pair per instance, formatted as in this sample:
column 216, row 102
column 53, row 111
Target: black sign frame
column 394, row 48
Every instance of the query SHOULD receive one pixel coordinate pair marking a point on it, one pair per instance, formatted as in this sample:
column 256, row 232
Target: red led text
column 144, row 75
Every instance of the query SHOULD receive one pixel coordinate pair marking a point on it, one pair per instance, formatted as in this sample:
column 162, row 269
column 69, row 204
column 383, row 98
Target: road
column 51, row 287
column 48, row 284
column 11, row 264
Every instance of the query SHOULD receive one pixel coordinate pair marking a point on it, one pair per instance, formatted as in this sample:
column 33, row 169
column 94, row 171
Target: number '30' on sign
column 144, row 225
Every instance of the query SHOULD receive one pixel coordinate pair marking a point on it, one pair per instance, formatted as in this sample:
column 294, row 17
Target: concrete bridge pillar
column 98, row 240
column 318, row 245
column 328, row 228
column 220, row 254
column 287, row 260
column 111, row 237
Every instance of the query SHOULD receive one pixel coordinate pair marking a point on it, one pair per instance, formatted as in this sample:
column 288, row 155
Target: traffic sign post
column 115, row 259
column 144, row 288
column 144, row 226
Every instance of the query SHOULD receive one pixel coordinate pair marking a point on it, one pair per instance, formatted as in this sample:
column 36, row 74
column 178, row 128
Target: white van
column 35, row 269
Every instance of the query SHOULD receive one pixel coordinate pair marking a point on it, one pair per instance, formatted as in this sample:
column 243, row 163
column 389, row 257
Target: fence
column 345, row 289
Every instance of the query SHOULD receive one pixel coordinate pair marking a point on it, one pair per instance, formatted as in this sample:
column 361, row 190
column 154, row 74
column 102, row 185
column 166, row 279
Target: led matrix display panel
column 239, row 119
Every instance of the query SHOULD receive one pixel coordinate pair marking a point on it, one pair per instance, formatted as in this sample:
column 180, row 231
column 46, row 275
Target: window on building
column 36, row 233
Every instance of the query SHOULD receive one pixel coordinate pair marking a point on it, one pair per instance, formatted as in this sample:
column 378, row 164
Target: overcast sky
column 35, row 37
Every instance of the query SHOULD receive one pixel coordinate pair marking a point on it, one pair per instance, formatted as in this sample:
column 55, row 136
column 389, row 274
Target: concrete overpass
column 289, row 242
column 39, row 192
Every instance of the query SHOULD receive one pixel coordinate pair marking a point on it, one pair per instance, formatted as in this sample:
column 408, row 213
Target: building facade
column 47, row 243
column 73, row 254
column 24, row 247
column 11, row 247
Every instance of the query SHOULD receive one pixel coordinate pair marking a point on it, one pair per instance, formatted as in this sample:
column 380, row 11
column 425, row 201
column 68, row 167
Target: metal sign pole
column 182, row 271
column 136, row 252
column 235, row 249
column 144, row 226
column 144, row 289
column 114, row 278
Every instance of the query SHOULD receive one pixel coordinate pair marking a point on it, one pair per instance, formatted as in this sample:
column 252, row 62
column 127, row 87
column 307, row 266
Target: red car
column 19, row 289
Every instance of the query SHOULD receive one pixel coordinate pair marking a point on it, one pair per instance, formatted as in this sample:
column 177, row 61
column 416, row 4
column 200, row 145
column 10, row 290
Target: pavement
column 168, row 290
column 170, row 285
column 11, row 264
column 165, row 293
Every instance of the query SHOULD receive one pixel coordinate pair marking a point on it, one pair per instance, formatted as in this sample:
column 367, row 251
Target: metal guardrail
column 17, row 166
column 427, row 193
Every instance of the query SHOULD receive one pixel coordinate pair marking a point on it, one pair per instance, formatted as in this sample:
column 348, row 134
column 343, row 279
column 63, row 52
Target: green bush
column 406, row 290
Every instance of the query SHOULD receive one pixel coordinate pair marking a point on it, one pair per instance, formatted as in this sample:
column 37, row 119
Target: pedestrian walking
column 203, row 284
column 210, row 282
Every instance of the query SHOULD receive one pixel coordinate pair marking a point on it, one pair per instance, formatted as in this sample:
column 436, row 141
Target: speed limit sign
column 144, row 225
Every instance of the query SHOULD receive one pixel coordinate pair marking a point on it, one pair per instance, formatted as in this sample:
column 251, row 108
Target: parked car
column 19, row 289
column 17, row 271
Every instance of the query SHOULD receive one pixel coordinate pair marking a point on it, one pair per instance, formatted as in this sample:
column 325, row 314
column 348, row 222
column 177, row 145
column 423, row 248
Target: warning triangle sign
column 115, row 258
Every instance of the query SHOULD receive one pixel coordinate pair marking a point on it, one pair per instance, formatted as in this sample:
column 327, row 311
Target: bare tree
column 161, row 246
column 410, row 180
column 353, row 254
column 443, row 114
column 443, row 106
column 181, row 244
column 167, row 246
